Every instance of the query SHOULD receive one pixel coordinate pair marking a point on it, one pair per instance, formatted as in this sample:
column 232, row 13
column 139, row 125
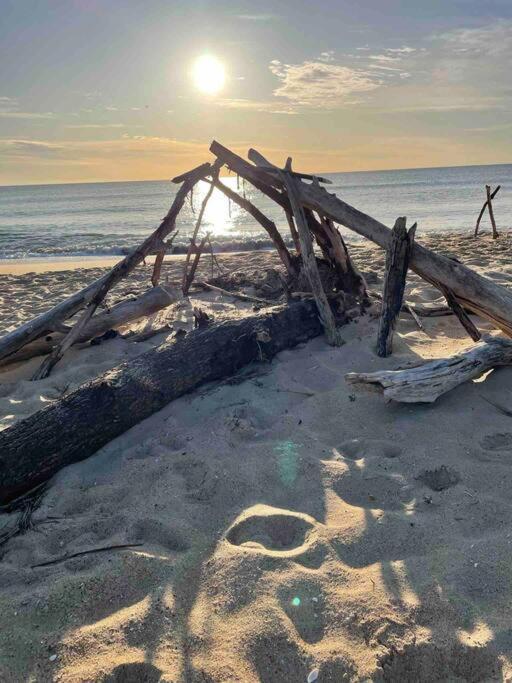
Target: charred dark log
column 76, row 426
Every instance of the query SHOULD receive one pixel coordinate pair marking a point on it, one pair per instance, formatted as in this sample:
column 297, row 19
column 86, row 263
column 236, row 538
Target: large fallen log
column 472, row 291
column 76, row 426
column 127, row 311
column 425, row 383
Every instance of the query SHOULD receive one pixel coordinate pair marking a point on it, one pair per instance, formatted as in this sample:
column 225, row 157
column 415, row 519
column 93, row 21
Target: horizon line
column 161, row 180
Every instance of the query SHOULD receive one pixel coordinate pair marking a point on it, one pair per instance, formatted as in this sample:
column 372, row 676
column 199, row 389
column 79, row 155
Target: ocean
column 105, row 219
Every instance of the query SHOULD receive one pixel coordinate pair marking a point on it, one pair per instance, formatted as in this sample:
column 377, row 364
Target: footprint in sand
column 134, row 672
column 273, row 530
column 200, row 482
column 497, row 442
column 439, row 479
column 355, row 449
column 383, row 492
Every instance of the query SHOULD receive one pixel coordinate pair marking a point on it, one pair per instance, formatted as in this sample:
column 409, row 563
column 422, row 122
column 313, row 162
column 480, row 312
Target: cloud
column 97, row 125
column 401, row 50
column 29, row 147
column 255, row 17
column 256, row 105
column 327, row 56
column 320, row 85
column 26, row 115
column 385, row 58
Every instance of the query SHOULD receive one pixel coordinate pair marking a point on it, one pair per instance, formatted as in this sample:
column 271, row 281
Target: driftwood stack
column 318, row 266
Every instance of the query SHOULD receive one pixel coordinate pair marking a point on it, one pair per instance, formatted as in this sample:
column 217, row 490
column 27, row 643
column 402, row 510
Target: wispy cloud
column 97, row 125
column 271, row 107
column 26, row 115
column 320, row 85
column 385, row 58
column 255, row 17
column 327, row 56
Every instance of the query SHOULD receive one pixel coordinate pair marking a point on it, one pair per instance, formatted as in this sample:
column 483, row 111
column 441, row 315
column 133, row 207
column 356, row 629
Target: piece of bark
column 482, row 210
column 473, row 291
column 147, row 304
column 332, row 333
column 76, row 426
column 397, row 263
column 491, row 212
column 96, row 291
column 425, row 383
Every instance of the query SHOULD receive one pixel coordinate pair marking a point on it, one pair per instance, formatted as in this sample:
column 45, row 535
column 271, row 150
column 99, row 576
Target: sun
column 208, row 74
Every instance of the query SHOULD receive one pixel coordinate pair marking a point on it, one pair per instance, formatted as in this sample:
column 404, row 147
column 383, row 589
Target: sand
column 291, row 525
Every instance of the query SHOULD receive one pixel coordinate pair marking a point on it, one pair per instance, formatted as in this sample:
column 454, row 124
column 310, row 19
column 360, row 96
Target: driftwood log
column 473, row 291
column 76, row 426
column 127, row 311
column 93, row 294
column 397, row 263
column 425, row 383
column 482, row 210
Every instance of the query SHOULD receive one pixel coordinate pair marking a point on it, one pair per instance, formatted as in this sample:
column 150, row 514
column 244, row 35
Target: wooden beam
column 397, row 263
column 332, row 333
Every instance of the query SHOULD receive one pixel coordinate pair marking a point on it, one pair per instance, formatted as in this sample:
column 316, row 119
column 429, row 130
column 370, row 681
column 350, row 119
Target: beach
column 285, row 525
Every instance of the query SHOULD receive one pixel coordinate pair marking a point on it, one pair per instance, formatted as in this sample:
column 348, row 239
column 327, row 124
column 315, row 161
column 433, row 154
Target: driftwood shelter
column 324, row 290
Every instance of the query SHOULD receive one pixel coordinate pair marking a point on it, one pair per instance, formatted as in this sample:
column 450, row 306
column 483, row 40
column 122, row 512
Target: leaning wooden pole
column 332, row 333
column 473, row 291
column 397, row 264
column 491, row 212
column 268, row 225
column 51, row 320
column 482, row 210
column 76, row 426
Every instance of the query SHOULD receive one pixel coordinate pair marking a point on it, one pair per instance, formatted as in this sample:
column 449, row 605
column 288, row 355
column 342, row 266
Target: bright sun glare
column 208, row 74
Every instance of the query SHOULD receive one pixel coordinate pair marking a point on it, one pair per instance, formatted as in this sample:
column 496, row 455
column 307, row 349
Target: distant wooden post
column 486, row 204
column 397, row 263
column 491, row 212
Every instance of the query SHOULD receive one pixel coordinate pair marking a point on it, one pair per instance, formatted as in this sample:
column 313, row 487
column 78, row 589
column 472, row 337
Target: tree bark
column 153, row 300
column 424, row 384
column 397, row 263
column 76, row 426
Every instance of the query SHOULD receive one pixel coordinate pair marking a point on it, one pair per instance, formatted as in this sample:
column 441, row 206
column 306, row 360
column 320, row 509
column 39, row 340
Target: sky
column 99, row 90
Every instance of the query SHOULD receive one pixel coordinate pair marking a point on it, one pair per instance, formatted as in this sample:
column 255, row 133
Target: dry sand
column 289, row 523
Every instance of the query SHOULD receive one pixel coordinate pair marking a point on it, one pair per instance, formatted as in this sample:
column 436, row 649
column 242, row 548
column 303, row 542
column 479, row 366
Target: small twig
column 237, row 295
column 86, row 552
column 502, row 409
